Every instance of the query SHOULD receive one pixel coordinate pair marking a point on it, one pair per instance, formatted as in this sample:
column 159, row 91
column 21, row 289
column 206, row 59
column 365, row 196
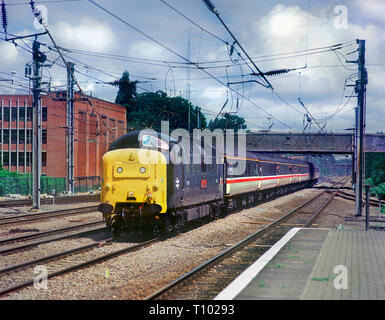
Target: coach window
column 252, row 169
column 260, row 168
column 277, row 169
column 231, row 166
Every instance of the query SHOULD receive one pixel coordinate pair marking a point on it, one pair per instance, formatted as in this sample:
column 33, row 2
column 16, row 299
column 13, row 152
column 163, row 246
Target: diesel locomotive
column 144, row 188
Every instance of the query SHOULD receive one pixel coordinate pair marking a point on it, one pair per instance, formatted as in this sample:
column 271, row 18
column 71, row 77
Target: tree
column 127, row 89
column 126, row 92
column 229, row 121
column 148, row 109
column 375, row 173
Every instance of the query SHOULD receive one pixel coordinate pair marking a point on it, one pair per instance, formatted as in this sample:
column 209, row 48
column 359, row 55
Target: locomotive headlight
column 142, row 170
column 119, row 170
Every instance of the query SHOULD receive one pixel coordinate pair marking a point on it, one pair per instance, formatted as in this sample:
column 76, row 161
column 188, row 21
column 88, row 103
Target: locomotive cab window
column 153, row 142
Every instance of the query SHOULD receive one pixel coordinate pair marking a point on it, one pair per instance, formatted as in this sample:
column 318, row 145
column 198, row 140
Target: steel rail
column 81, row 265
column 33, row 244
column 349, row 196
column 49, row 232
column 57, row 200
column 46, row 215
column 243, row 243
column 52, row 256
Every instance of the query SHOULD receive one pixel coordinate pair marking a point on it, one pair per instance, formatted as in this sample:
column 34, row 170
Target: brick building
column 95, row 128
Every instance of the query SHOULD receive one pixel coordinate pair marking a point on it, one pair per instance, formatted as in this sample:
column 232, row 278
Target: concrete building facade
column 96, row 126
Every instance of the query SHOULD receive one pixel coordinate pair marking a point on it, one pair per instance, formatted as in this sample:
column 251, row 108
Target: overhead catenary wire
column 38, row 15
column 182, row 64
column 211, row 7
column 199, row 66
column 194, row 23
column 177, row 54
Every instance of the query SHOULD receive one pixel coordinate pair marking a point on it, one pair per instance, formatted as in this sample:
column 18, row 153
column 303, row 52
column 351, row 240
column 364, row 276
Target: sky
column 163, row 43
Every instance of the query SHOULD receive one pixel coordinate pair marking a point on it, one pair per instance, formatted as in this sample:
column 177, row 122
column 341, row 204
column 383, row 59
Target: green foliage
column 13, row 182
column 16, row 183
column 127, row 89
column 229, row 121
column 148, row 109
column 375, row 173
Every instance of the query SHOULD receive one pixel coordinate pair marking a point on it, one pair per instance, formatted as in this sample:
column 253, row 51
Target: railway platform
column 316, row 264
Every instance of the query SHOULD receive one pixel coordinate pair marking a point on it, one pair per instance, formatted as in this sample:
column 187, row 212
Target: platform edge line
column 238, row 284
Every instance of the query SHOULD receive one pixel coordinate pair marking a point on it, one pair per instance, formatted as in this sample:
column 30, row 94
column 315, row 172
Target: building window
column 44, row 114
column 44, row 159
column 14, row 114
column 5, row 159
column 44, row 136
column 5, row 136
column 29, row 113
column 6, row 113
column 28, row 160
column 21, row 136
column 13, row 158
column 13, row 136
column 22, row 114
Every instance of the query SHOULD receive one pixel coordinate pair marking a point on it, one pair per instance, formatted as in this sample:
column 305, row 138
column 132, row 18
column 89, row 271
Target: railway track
column 28, row 241
column 33, row 217
column 16, row 277
column 56, row 200
column 349, row 196
column 206, row 280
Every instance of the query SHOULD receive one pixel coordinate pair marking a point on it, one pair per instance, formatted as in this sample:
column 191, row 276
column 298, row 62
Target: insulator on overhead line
column 273, row 72
column 32, row 3
column 28, row 70
column 209, row 5
column 232, row 49
column 4, row 21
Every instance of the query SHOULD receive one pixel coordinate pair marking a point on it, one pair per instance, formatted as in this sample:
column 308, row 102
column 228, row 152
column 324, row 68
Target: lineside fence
column 49, row 185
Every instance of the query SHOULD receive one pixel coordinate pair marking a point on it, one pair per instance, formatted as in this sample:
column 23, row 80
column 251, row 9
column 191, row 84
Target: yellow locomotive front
column 134, row 187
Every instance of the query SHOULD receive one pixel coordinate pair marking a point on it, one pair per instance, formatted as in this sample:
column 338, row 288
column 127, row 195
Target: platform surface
column 321, row 264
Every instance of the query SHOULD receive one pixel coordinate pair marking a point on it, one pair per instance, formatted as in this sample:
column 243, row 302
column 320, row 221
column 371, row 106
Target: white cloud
column 147, row 50
column 371, row 9
column 88, row 34
column 215, row 93
column 8, row 53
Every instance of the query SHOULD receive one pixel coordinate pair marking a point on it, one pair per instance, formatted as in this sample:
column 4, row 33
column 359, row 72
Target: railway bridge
column 313, row 143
